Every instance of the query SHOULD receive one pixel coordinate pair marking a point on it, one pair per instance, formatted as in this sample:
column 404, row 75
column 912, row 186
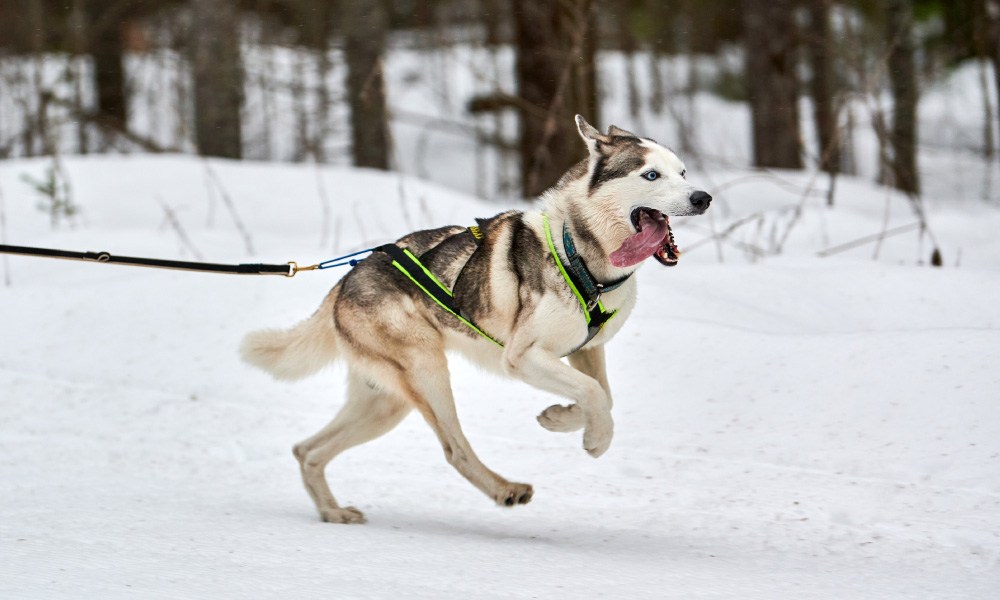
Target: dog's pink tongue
column 642, row 244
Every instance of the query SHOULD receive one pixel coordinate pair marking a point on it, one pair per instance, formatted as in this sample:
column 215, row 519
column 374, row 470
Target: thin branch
column 230, row 206
column 498, row 100
column 359, row 221
column 885, row 224
column 324, row 200
column 723, row 236
column 875, row 237
column 108, row 124
column 175, row 224
column 3, row 239
column 401, row 189
column 451, row 127
column 766, row 175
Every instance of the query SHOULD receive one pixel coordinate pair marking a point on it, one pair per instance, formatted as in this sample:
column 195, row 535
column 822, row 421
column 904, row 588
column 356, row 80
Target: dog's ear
column 591, row 136
column 615, row 130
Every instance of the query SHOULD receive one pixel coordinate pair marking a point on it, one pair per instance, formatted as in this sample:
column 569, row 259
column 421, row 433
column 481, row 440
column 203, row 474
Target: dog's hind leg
column 589, row 361
column 368, row 413
column 426, row 382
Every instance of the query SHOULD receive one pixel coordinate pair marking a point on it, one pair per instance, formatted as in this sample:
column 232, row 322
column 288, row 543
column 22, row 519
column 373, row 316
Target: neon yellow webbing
column 446, row 290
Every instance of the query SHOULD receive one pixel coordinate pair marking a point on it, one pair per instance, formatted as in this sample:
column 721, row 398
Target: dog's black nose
column 700, row 199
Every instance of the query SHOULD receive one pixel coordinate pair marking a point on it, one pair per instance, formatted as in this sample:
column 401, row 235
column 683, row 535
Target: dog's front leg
column 525, row 359
column 590, row 360
column 560, row 418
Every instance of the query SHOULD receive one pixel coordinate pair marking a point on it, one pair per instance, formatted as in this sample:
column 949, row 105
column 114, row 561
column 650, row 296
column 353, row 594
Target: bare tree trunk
column 322, row 32
column 109, row 73
column 629, row 46
column 35, row 12
column 364, row 25
column 77, row 26
column 556, row 78
column 323, row 68
column 822, row 85
column 992, row 10
column 36, row 131
column 772, row 84
column 989, row 146
column 218, row 78
column 981, row 43
column 960, row 24
column 903, row 84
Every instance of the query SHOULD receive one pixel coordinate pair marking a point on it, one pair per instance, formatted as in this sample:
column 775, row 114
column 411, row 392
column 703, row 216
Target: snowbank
column 786, row 425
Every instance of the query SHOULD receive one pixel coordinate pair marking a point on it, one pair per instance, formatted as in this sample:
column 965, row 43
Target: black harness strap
column 587, row 286
column 410, row 265
column 287, row 269
column 418, row 273
column 578, row 277
column 598, row 317
column 586, row 283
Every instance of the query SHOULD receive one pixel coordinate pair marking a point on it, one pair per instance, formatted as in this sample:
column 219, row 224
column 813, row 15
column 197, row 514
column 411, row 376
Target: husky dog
column 517, row 311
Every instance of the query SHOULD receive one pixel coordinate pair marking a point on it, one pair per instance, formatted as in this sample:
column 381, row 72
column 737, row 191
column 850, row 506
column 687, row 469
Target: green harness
column 590, row 296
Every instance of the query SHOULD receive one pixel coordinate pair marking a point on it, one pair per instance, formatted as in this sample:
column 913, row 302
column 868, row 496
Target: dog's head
column 640, row 183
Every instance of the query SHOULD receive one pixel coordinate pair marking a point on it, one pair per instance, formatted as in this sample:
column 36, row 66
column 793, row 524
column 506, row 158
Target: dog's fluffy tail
column 297, row 352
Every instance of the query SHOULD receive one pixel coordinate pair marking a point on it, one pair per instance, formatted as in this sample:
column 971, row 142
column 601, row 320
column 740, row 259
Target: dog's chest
column 621, row 301
column 567, row 327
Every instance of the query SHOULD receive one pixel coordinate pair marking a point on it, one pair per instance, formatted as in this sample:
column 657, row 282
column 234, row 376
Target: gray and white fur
column 393, row 337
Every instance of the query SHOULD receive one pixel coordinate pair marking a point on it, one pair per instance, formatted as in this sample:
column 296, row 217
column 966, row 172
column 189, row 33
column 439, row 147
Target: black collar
column 585, row 281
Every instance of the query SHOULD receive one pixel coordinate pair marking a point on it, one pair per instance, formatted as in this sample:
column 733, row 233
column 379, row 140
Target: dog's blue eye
column 650, row 175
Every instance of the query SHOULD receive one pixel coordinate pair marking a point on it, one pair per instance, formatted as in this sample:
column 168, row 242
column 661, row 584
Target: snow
column 799, row 412
column 786, row 425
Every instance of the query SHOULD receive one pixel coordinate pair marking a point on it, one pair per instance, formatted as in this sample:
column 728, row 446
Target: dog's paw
column 347, row 514
column 597, row 436
column 514, row 493
column 562, row 419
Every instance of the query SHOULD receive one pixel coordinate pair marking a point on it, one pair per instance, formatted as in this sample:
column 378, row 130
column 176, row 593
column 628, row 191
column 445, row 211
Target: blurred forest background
column 350, row 82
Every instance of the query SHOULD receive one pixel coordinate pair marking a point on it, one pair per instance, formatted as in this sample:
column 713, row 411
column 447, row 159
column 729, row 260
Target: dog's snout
column 700, row 199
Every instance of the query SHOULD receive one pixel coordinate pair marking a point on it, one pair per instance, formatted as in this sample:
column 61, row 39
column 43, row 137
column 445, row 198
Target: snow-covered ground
column 787, row 426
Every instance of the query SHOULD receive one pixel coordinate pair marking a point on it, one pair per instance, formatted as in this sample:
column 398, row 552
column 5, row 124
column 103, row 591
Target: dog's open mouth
column 652, row 237
column 667, row 252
